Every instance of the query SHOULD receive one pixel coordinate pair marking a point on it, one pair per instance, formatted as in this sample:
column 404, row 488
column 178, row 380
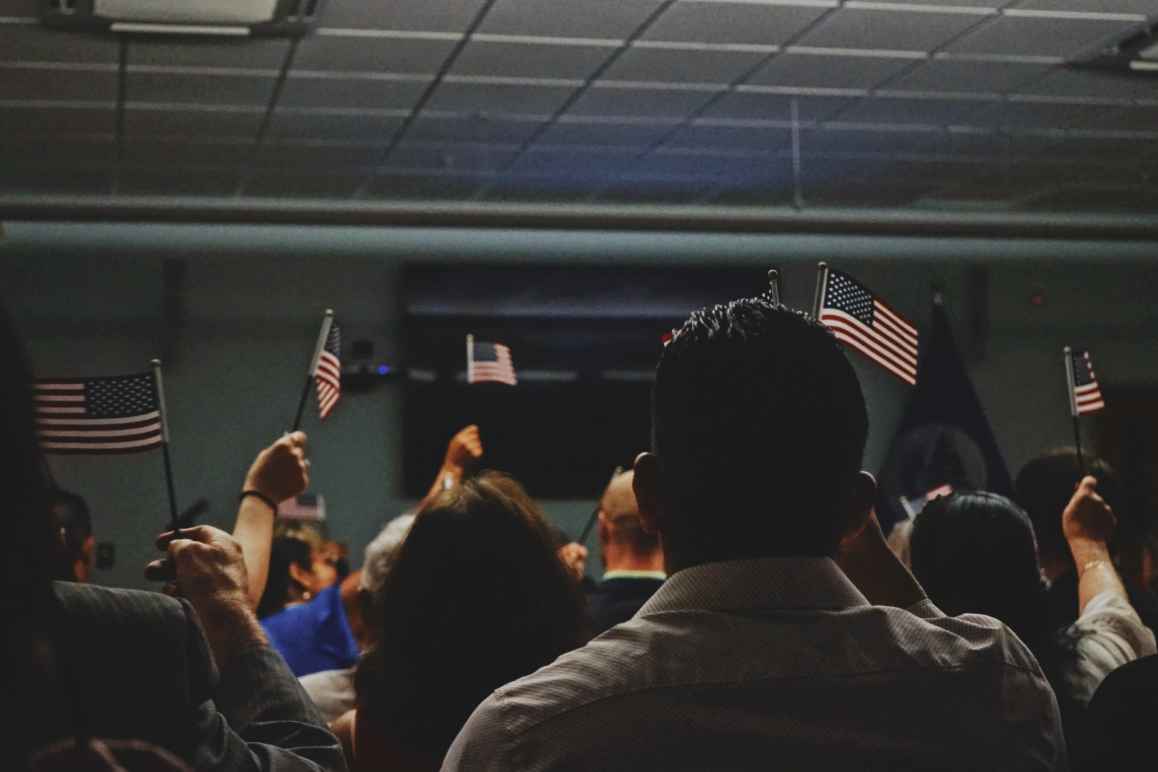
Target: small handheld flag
column 1085, row 394
column 772, row 294
column 117, row 414
column 325, row 369
column 863, row 321
column 489, row 363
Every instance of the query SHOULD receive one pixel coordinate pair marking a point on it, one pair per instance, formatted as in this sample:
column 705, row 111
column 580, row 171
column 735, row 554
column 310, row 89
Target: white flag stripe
column 60, row 387
column 1087, row 389
column 147, row 429
column 101, row 421
column 42, row 399
column 834, row 318
column 902, row 337
column 154, row 440
column 896, row 320
column 1092, row 407
column 858, row 344
column 52, row 410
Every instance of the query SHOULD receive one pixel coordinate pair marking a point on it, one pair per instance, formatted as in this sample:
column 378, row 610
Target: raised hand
column 464, row 451
column 282, row 470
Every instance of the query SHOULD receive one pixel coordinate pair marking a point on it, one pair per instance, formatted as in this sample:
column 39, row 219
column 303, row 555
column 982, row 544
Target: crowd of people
column 751, row 613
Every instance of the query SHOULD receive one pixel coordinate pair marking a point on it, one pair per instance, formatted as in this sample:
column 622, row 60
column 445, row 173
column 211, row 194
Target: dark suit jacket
column 140, row 668
column 614, row 601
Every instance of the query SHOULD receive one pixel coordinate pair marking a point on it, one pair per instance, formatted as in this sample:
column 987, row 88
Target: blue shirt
column 314, row 636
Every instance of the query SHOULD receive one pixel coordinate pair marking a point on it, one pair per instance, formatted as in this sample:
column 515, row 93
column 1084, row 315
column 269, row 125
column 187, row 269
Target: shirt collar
column 762, row 583
column 626, row 574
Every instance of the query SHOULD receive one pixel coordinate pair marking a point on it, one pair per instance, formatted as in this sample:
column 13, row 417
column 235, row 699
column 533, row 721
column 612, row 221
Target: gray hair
column 381, row 552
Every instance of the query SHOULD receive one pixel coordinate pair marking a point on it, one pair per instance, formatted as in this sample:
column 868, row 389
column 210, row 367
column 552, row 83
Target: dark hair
column 72, row 519
column 975, row 552
column 31, row 550
column 284, row 551
column 759, row 423
column 475, row 599
column 1045, row 485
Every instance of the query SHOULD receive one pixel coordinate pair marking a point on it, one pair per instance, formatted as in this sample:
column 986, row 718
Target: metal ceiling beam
column 688, row 219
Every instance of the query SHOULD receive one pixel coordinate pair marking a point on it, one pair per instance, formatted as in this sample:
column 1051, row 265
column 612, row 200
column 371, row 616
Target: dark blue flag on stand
column 944, row 441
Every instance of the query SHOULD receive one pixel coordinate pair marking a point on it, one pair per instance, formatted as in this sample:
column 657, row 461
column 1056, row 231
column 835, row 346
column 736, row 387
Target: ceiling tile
column 883, row 142
column 699, row 134
column 1140, row 118
column 678, row 66
column 610, row 19
column 35, row 149
column 926, row 112
column 577, row 162
column 49, row 121
column 675, row 161
column 744, row 23
column 1145, row 7
column 460, row 157
column 500, row 98
column 1064, row 82
column 146, row 121
column 775, row 107
column 1096, row 149
column 646, row 191
column 626, row 135
column 53, row 85
column 34, row 43
column 528, row 60
column 807, row 70
column 436, row 16
column 198, row 89
column 263, row 54
column 889, row 30
column 372, row 54
column 176, row 181
column 1038, row 36
column 288, row 124
column 949, row 75
column 395, row 186
column 639, row 102
column 319, row 154
column 323, row 185
column 47, row 180
column 1040, row 115
column 365, row 93
column 476, row 128
column 152, row 152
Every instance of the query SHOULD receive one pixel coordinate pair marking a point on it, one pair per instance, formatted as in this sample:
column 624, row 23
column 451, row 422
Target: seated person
column 476, row 597
column 71, row 515
column 194, row 676
column 632, row 558
column 1121, row 718
column 760, row 651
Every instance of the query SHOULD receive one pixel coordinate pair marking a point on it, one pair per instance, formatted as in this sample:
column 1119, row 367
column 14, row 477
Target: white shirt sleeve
column 1107, row 635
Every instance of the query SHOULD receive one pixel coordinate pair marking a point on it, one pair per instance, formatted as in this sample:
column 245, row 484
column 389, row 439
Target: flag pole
column 595, row 513
column 1070, row 380
column 159, row 389
column 327, row 322
column 469, row 354
column 774, row 285
column 821, row 281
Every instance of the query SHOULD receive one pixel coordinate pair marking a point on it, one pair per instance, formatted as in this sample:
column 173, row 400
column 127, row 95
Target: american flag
column 489, row 362
column 117, row 414
column 1087, row 394
column 668, row 337
column 328, row 373
column 863, row 321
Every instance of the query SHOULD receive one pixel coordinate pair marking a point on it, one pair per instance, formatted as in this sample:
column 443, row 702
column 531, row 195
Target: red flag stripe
column 840, row 320
column 864, row 349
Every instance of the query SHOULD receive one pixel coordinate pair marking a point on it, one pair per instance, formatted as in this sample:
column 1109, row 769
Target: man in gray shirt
column 787, row 635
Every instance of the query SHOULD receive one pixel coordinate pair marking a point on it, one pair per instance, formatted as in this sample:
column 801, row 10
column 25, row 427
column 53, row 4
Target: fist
column 1088, row 517
column 205, row 564
column 574, row 556
column 465, row 449
column 282, row 470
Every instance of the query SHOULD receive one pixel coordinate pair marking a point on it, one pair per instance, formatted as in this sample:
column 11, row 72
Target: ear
column 302, row 576
column 859, row 503
column 647, row 484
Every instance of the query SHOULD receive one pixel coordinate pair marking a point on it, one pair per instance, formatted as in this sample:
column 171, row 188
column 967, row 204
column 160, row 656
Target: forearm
column 254, row 530
column 1096, row 572
column 447, row 477
column 231, row 628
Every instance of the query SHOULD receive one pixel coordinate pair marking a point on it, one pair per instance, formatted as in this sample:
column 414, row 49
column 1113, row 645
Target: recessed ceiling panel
column 348, row 125
column 608, row 19
column 960, row 76
column 435, row 15
column 33, row 43
column 813, row 71
column 364, row 93
column 756, row 138
column 193, row 122
column 639, row 103
column 372, row 54
column 619, row 134
column 499, row 98
column 732, row 23
column 891, row 30
column 55, row 85
column 152, row 152
column 43, row 120
column 471, row 128
column 198, row 52
column 163, row 88
column 529, row 60
column 1038, row 36
column 925, row 112
column 680, row 66
column 775, row 107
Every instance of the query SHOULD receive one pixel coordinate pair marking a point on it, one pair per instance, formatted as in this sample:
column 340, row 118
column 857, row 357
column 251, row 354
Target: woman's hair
column 284, row 551
column 476, row 598
column 31, row 552
column 975, row 552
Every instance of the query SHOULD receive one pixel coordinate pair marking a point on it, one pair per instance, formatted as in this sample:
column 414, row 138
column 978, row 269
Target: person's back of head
column 475, row 598
column 73, row 520
column 622, row 536
column 974, row 552
column 759, row 426
column 281, row 588
column 1044, row 487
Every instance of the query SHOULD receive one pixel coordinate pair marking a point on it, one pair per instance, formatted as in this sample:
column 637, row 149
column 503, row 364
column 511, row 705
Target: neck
column 622, row 560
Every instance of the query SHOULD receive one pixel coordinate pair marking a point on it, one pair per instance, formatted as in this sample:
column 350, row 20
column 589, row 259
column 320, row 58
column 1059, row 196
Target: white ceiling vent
column 281, row 18
column 1135, row 54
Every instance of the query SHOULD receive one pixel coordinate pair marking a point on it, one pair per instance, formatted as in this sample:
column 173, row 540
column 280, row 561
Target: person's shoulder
column 117, row 606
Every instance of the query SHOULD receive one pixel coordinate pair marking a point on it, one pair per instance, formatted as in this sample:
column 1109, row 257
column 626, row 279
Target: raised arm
column 279, row 472
column 462, row 454
column 1088, row 522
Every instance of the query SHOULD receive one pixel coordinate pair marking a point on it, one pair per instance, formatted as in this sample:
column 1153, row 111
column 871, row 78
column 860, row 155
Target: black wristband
column 259, row 495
